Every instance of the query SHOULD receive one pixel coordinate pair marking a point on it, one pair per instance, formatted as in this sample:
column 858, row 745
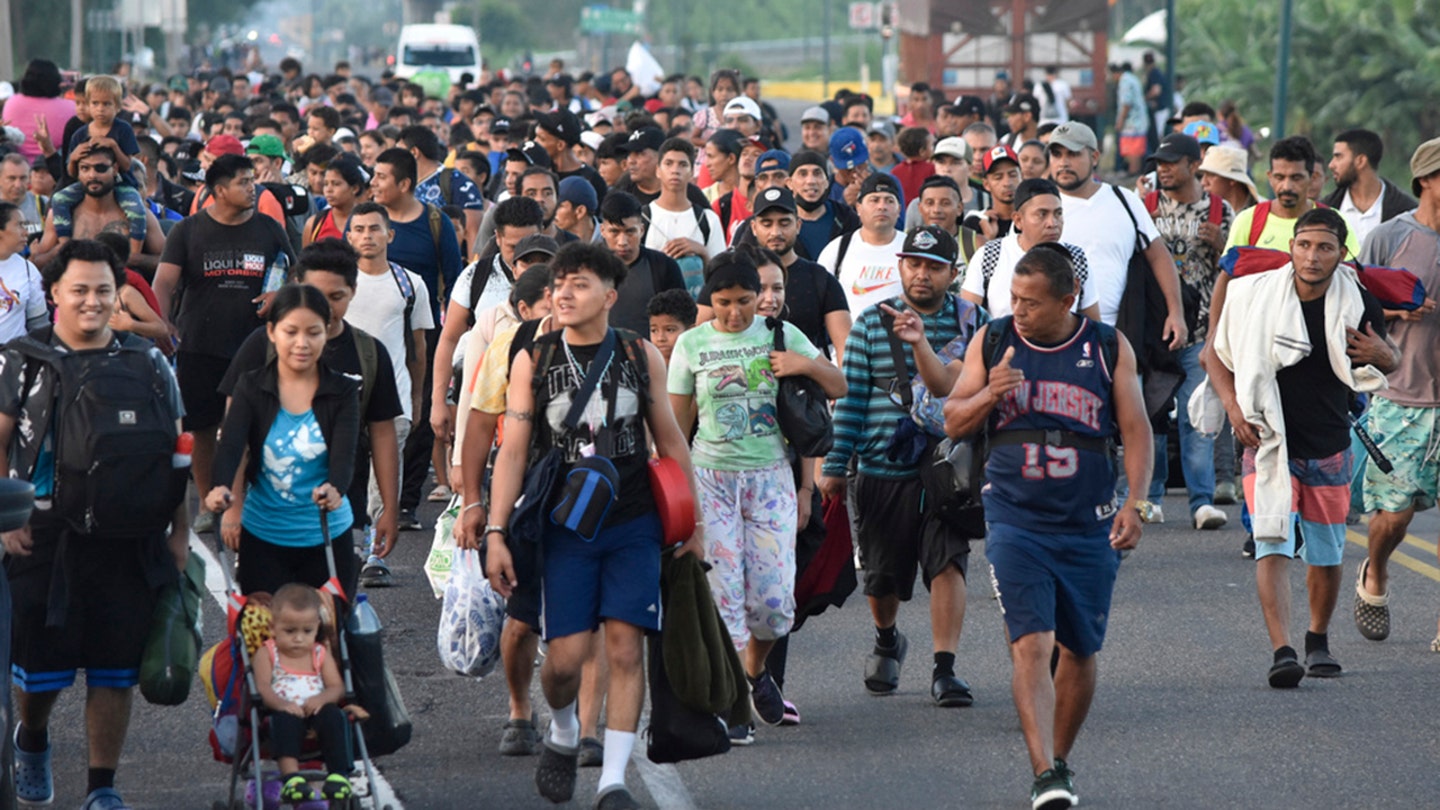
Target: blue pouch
column 591, row 487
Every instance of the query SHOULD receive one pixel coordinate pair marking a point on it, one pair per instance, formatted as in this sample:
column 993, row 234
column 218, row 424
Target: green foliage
column 1354, row 63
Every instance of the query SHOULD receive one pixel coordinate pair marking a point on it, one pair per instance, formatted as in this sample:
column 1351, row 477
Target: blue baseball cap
column 1204, row 132
column 773, row 161
column 848, row 149
column 579, row 191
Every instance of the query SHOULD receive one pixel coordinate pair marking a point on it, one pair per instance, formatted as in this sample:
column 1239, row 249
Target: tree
column 1354, row 63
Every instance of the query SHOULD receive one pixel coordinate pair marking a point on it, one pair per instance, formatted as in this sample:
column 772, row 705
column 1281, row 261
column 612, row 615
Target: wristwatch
column 493, row 529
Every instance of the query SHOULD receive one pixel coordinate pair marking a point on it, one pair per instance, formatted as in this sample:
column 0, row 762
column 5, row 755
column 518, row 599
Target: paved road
column 1182, row 719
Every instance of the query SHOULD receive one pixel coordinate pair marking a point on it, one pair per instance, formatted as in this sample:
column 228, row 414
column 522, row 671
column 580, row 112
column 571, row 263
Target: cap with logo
column 996, row 154
column 266, row 145
column 848, row 149
column 1023, row 103
column 816, row 113
column 563, row 124
column 530, row 152
column 953, row 147
column 537, row 243
column 1032, row 188
column 772, row 161
column 1425, row 162
column 775, row 198
column 1204, row 132
column 931, row 242
column 1074, row 136
column 224, row 145
column 645, row 138
column 499, row 125
column 743, row 105
column 880, row 183
column 1176, row 147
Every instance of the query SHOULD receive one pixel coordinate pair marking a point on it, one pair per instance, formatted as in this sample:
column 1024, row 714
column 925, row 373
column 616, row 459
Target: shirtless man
column 99, row 212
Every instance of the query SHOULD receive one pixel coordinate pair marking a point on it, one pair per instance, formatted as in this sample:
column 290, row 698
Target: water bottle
column 277, row 273
column 364, row 621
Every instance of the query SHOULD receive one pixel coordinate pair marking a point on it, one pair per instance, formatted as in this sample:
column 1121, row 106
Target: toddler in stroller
column 301, row 685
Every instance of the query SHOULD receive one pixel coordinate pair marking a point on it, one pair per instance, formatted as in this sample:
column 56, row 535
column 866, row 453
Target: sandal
column 34, row 781
column 440, row 493
column 1321, row 664
column 296, row 790
column 1372, row 613
column 336, row 787
column 555, row 774
column 1435, row 644
column 520, row 738
column 882, row 667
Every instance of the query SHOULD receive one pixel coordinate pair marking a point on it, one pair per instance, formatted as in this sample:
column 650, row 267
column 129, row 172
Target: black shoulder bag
column 801, row 408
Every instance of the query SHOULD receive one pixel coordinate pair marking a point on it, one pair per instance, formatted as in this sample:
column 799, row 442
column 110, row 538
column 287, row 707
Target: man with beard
column 1193, row 225
column 1361, row 195
column 822, row 217
column 865, row 260
column 99, row 211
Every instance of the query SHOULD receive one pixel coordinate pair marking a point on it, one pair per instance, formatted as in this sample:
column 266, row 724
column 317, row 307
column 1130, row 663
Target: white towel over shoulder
column 1261, row 331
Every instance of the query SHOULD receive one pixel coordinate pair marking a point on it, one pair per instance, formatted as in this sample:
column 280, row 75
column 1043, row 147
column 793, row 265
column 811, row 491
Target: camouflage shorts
column 1408, row 438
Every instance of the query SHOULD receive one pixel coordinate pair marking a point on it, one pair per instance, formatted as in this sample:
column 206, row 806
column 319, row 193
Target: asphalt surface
column 1183, row 717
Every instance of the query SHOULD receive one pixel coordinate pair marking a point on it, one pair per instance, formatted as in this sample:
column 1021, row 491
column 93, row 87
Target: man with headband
column 1292, row 344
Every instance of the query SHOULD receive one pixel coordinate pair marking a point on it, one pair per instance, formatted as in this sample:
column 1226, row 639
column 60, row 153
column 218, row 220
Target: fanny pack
column 591, row 488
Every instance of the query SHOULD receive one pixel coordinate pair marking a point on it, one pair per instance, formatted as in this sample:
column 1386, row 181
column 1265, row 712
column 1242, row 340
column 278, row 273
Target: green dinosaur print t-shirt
column 729, row 375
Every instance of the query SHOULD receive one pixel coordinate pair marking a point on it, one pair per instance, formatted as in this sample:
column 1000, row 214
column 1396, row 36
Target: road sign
column 606, row 20
column 864, row 16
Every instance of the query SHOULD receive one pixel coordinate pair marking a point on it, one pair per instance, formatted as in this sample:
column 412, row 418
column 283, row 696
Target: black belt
column 1052, row 438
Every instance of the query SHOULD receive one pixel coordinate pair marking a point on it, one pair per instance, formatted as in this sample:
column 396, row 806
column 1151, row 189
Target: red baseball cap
column 224, row 145
column 996, row 154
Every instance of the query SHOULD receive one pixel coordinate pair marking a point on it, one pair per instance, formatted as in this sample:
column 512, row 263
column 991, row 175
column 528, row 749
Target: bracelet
column 493, row 529
column 475, row 505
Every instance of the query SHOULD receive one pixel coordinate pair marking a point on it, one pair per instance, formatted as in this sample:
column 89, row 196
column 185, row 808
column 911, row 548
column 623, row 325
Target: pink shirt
column 20, row 111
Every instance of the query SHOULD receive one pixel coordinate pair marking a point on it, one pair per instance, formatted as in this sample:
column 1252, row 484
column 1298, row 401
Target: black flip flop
column 1321, row 664
column 1286, row 673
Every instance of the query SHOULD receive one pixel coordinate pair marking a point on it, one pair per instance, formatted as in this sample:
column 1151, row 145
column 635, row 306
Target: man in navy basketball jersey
column 1053, row 389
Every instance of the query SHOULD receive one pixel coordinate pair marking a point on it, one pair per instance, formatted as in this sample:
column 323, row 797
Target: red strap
column 1257, row 222
column 1217, row 209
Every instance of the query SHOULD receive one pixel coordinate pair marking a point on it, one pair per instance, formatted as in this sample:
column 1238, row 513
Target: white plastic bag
column 441, row 559
column 471, row 618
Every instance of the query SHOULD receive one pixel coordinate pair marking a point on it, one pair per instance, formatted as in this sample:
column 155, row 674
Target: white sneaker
column 1208, row 517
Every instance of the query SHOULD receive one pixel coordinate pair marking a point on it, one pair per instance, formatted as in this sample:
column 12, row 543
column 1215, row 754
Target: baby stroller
column 237, row 735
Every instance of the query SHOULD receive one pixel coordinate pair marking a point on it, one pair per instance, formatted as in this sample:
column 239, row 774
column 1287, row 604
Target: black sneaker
column 409, row 521
column 1248, row 550
column 742, row 734
column 1052, row 790
column 766, row 700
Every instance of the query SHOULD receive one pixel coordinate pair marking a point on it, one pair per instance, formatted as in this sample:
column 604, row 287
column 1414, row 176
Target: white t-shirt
column 666, row 225
column 497, row 289
column 379, row 309
column 997, row 296
column 870, row 273
column 1059, row 112
column 22, row 296
column 1362, row 221
column 1100, row 227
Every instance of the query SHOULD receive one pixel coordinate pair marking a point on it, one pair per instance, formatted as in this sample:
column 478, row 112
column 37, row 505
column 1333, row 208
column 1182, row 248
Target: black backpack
column 114, row 436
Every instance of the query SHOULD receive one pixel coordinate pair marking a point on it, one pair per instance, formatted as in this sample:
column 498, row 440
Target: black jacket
column 253, row 408
column 1393, row 201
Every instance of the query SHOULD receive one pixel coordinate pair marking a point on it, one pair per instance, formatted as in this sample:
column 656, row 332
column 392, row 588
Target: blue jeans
column 1197, row 451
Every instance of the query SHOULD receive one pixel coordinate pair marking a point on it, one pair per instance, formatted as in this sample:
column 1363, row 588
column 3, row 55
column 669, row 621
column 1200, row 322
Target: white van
column 452, row 48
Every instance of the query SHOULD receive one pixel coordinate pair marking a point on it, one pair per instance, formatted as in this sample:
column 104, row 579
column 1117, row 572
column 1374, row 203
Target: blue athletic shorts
column 615, row 577
column 1053, row 582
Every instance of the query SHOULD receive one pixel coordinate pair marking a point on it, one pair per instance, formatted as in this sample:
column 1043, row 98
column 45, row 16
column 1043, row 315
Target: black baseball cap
column 642, row 139
column 1034, row 187
column 1175, row 147
column 531, row 153
column 880, row 182
column 536, row 243
column 729, row 141
column 775, row 197
column 931, row 242
column 967, row 105
column 499, row 125
column 1023, row 102
column 563, row 124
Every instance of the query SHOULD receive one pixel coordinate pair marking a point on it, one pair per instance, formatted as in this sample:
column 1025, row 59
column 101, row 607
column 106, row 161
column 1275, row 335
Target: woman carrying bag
column 723, row 378
column 294, row 424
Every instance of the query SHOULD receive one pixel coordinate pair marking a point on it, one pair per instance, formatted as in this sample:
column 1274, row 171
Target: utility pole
column 7, row 41
column 825, row 77
column 1282, row 72
column 1171, row 27
column 77, row 32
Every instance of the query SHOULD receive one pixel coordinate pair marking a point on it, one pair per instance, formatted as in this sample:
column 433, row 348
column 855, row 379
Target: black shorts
column 265, row 566
column 199, row 377
column 107, row 616
column 896, row 535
